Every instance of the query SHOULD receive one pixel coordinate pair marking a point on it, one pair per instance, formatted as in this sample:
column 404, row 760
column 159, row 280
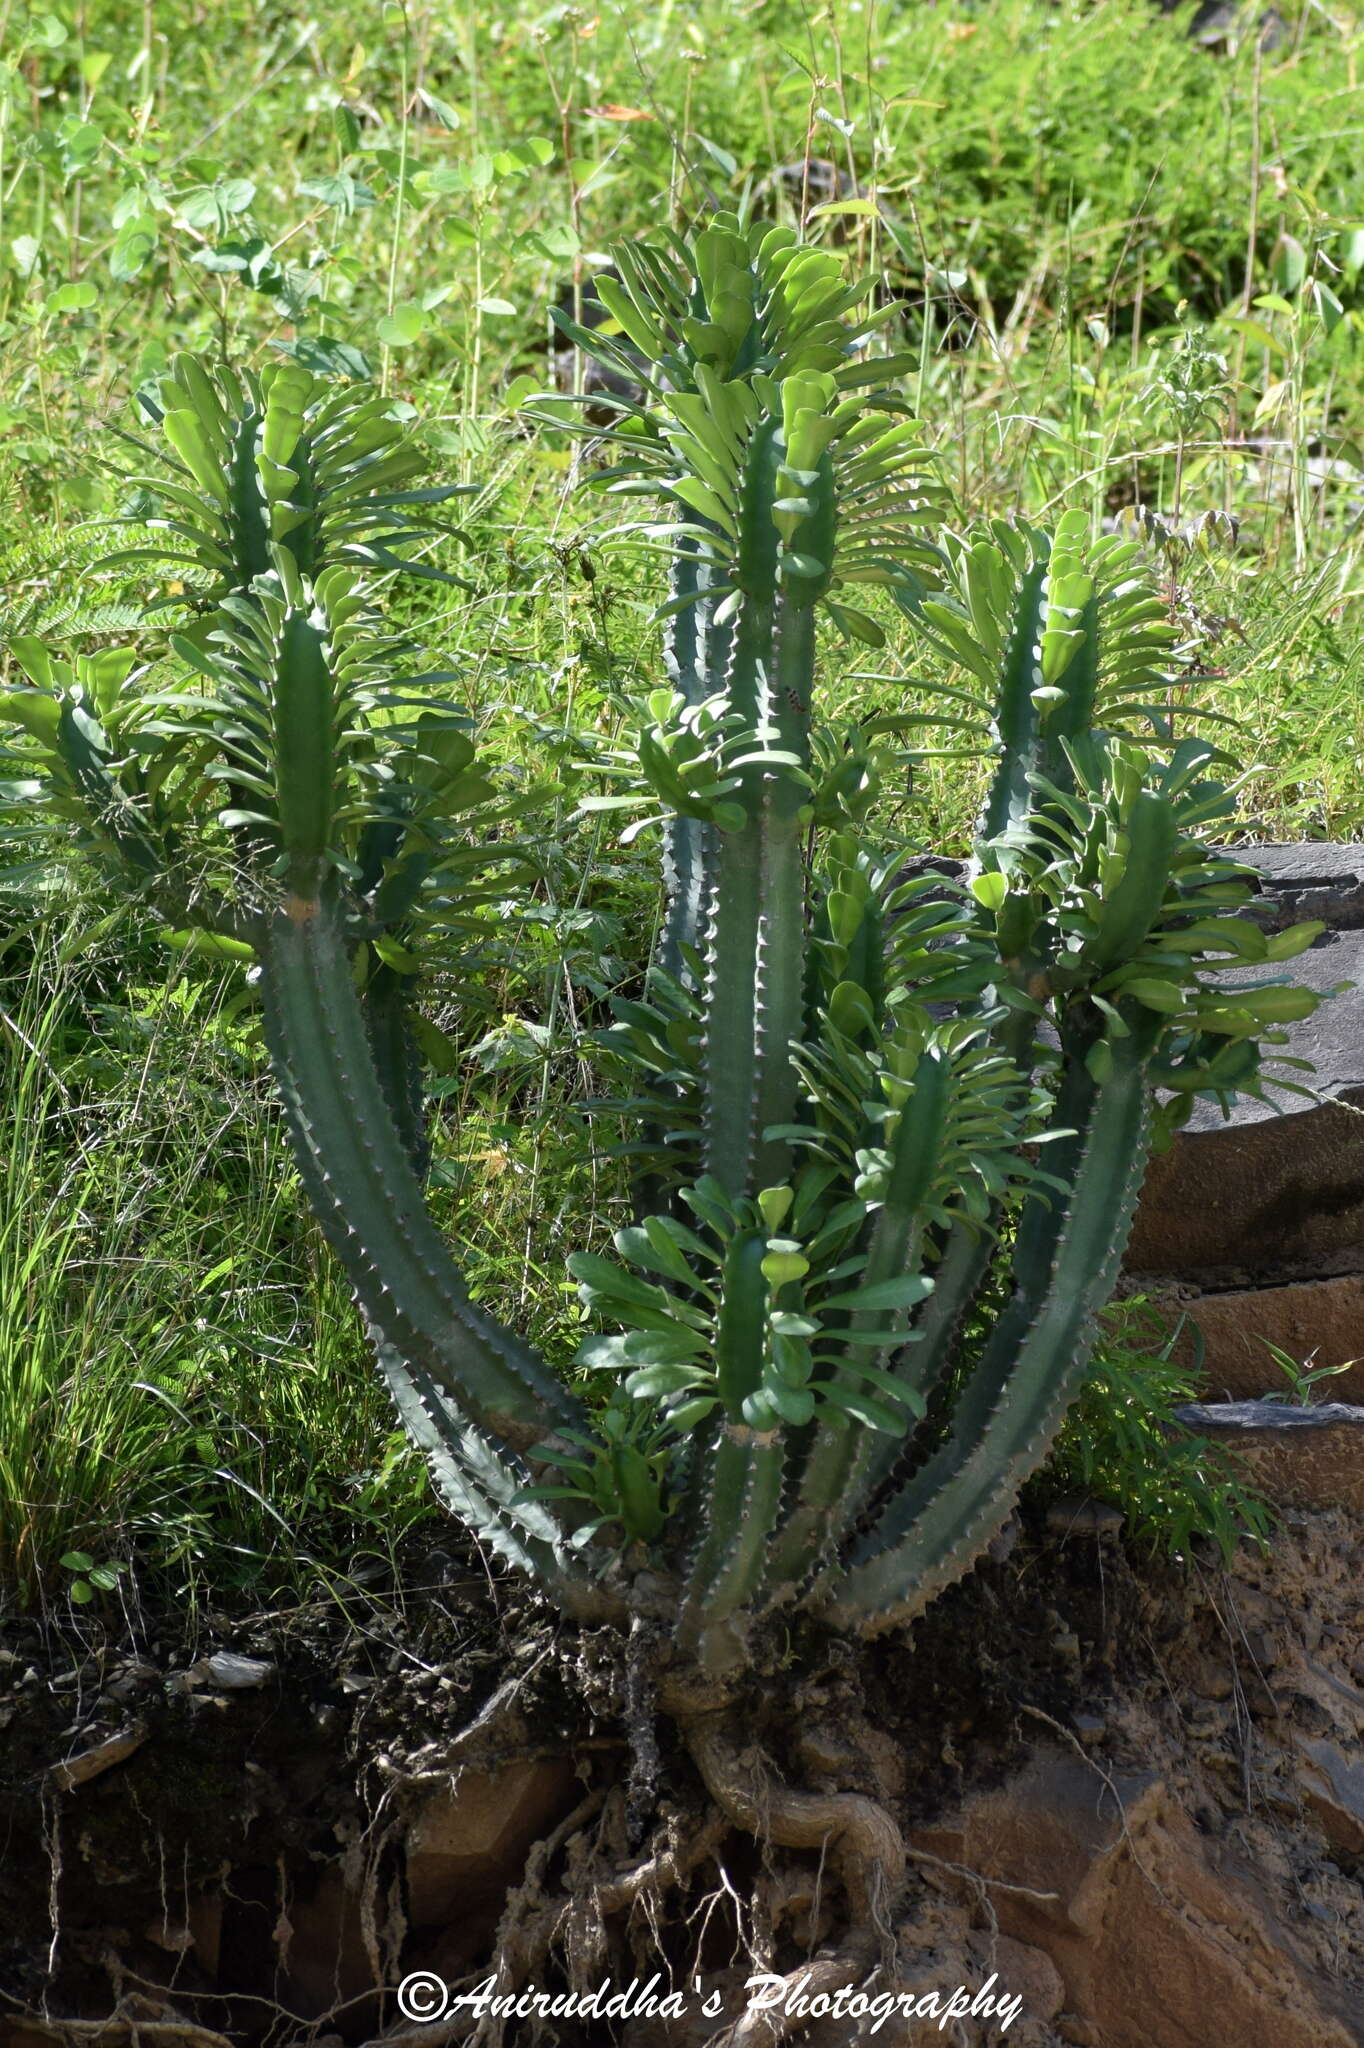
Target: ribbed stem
column 746, row 1485
column 754, row 993
column 696, row 655
column 1066, row 1261
column 404, row 1278
column 1017, row 723
column 397, row 1061
column 838, row 1460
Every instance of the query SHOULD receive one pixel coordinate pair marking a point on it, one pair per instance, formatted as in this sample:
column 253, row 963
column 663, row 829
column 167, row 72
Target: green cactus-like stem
column 697, row 654
column 1031, row 732
column 304, row 758
column 397, row 1060
column 407, row 1285
column 248, row 515
column 1017, row 725
column 485, row 1486
column 1065, row 1264
column 742, row 1331
column 746, row 1471
column 754, row 993
column 838, row 1460
column 958, row 1276
column 742, row 1470
column 482, row 1482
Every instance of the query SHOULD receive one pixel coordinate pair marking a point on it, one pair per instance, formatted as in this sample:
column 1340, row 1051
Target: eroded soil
column 242, row 1871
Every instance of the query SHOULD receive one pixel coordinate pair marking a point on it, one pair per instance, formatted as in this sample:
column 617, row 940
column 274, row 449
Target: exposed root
column 763, row 2028
column 982, row 1883
column 572, row 1923
column 858, row 1833
column 645, row 1766
column 137, row 2020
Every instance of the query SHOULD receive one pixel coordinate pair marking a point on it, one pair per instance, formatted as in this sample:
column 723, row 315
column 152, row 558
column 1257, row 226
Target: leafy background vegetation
column 1131, row 275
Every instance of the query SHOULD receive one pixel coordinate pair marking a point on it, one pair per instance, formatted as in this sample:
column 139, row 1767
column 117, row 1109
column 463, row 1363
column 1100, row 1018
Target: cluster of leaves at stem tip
column 859, row 1099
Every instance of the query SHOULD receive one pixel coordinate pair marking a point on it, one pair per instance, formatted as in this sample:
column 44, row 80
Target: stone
column 1300, row 1457
column 1343, row 1702
column 1075, row 1515
column 1091, row 1728
column 1320, row 1322
column 1156, row 1934
column 1319, row 882
column 1277, row 1192
column 1332, row 1784
column 1256, row 1201
column 1026, row 1970
column 468, row 1840
column 1212, row 1680
column 1329, row 1039
column 232, row 1673
column 1222, row 25
column 99, row 1758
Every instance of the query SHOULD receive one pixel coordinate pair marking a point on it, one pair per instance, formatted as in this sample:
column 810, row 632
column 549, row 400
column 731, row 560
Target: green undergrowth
column 1121, row 1444
column 183, row 1380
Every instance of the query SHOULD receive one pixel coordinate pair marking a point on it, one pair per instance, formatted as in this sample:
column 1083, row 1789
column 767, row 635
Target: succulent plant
column 865, row 1102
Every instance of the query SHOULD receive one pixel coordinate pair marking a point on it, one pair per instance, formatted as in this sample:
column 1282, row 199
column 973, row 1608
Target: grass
column 181, row 1364
column 1129, row 274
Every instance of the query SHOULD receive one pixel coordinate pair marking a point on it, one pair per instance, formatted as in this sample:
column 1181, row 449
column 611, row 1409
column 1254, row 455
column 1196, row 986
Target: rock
column 1256, row 1201
column 1343, row 1702
column 1212, row 1680
column 1300, row 1457
column 1322, row 883
column 1277, row 1191
column 1329, row 1039
column 1154, row 1933
column 101, row 1757
column 1221, row 24
column 1091, row 1728
column 1075, row 1515
column 1316, row 1321
column 130, row 1677
column 231, row 1673
column 469, row 1839
column 1332, row 1784
column 1027, row 1971
column 1269, row 1195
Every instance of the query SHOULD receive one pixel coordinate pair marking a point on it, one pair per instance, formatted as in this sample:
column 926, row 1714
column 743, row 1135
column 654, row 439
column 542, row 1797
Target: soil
column 239, row 1873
